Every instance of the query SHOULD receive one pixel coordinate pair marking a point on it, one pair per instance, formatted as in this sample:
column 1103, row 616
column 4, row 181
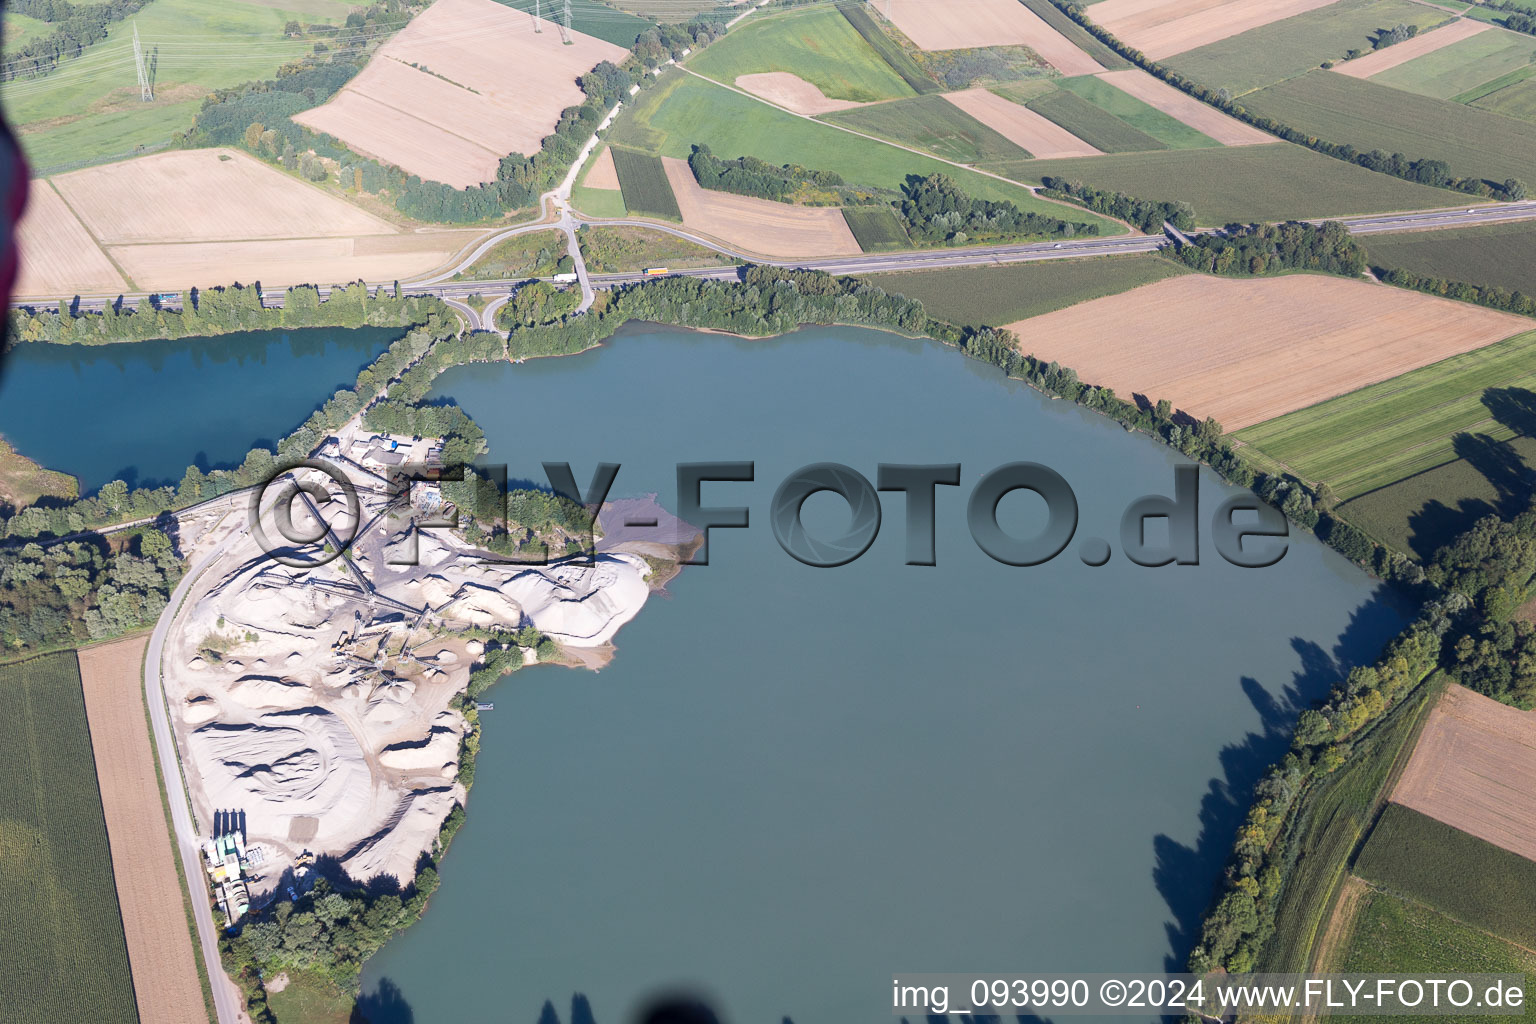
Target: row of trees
column 1483, row 295
column 65, row 594
column 258, row 117
column 1467, row 629
column 75, row 27
column 1148, row 215
column 1424, row 171
column 215, row 311
column 937, row 209
column 749, row 176
column 1244, row 249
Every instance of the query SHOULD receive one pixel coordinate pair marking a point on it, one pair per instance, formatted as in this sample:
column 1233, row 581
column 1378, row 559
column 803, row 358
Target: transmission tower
column 538, row 26
column 566, row 34
column 146, row 90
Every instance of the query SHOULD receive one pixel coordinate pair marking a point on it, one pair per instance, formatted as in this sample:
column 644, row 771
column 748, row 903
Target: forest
column 75, row 26
column 1249, row 249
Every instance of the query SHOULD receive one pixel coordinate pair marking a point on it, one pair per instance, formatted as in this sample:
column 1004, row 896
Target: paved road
column 226, row 997
column 1461, row 216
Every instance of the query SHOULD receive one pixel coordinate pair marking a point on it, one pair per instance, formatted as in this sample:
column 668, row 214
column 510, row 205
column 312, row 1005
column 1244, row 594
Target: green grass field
column 683, row 110
column 631, row 247
column 90, row 108
column 877, row 228
column 816, row 43
column 595, row 19
column 1248, row 183
column 1462, row 66
column 1475, row 882
column 1170, row 131
column 1293, row 46
column 1333, row 815
column 1393, row 935
column 666, row 10
column 531, row 255
column 934, row 124
column 1424, row 512
column 1516, row 99
column 1098, row 128
column 901, row 62
column 311, row 999
column 16, row 29
column 643, row 181
column 993, row 296
column 1081, row 37
column 61, row 928
column 1474, row 142
column 1380, row 434
column 1499, row 254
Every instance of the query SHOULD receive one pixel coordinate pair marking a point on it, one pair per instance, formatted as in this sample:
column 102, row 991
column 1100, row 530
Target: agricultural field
column 892, row 52
column 1475, row 143
column 149, row 886
column 1260, row 347
column 105, row 229
column 876, row 228
column 1515, row 97
column 616, row 249
column 61, row 930
column 1474, row 768
column 1168, row 131
column 684, row 110
column 1221, row 183
column 934, row 124
column 968, row 24
column 436, row 100
column 1293, row 46
column 643, row 181
column 1393, row 935
column 528, row 255
column 988, row 296
column 1202, row 117
column 1334, row 814
column 1079, row 36
column 1162, row 28
column 758, row 226
column 1096, row 127
column 602, row 174
column 597, row 19
column 1027, row 129
column 90, row 110
column 1502, row 255
column 816, row 44
column 1464, row 66
column 1473, row 881
column 1424, row 512
column 1371, row 437
column 1453, row 35
column 597, row 192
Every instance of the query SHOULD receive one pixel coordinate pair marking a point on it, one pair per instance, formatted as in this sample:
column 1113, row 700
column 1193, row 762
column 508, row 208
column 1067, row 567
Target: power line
column 146, row 90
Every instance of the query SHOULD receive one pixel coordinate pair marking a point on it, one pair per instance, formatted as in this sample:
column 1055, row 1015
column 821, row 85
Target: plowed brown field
column 603, row 174
column 1043, row 138
column 759, row 226
column 144, row 864
column 1162, row 28
column 59, row 258
column 1247, row 350
column 461, row 86
column 1401, row 53
column 968, row 24
column 1228, row 131
column 1475, row 769
column 792, row 92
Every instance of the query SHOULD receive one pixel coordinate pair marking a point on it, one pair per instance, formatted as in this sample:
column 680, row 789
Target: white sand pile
column 412, row 827
column 439, row 750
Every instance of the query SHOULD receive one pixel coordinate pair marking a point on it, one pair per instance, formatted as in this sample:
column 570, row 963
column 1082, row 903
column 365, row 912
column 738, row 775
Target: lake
column 144, row 411
column 792, row 782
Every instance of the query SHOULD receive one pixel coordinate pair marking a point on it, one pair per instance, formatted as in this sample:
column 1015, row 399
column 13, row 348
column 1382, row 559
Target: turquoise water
column 792, row 782
column 144, row 411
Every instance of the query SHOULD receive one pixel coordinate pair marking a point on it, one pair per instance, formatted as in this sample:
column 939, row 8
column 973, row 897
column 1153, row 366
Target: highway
column 569, row 221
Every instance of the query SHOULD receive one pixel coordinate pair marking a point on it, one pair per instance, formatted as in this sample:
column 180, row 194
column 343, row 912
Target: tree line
column 75, row 27
column 936, row 209
column 749, row 176
column 1521, row 16
column 1483, row 295
column 210, row 312
column 1148, row 215
column 1435, row 173
column 257, row 117
column 1250, row 249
